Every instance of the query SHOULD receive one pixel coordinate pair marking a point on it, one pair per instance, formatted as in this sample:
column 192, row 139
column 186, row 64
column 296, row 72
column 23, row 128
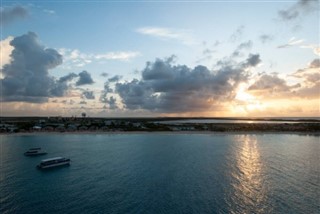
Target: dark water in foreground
column 163, row 173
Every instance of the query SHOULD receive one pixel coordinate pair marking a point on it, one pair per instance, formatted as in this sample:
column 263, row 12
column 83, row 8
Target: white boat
column 35, row 152
column 53, row 162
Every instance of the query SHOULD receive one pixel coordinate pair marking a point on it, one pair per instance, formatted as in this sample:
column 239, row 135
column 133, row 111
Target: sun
column 247, row 103
column 242, row 95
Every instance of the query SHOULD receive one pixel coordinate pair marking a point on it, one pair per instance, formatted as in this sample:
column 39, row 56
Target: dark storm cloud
column 301, row 7
column 10, row 14
column 84, row 79
column 177, row 88
column 115, row 78
column 88, row 95
column 26, row 77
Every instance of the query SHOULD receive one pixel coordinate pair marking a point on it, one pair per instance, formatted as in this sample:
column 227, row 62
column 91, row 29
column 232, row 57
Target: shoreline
column 158, row 132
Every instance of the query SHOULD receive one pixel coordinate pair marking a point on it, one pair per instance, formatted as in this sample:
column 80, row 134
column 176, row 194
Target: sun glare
column 242, row 95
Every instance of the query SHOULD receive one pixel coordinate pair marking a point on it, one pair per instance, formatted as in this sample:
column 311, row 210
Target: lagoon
column 162, row 173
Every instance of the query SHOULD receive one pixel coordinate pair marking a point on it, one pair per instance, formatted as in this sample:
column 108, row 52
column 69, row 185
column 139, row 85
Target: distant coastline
column 145, row 125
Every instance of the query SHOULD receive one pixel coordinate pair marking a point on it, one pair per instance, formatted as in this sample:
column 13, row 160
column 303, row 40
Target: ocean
column 162, row 173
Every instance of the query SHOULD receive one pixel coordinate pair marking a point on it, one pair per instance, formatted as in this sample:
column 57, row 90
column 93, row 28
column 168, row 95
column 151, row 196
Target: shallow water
column 162, row 173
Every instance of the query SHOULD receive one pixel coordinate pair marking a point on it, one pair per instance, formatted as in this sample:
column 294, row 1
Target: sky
column 160, row 58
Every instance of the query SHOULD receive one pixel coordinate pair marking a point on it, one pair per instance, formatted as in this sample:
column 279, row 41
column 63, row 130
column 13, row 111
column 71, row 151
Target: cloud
column 265, row 38
column 267, row 86
column 315, row 63
column 84, row 79
column 310, row 74
column 166, row 87
column 253, row 60
column 10, row 14
column 237, row 34
column 292, row 42
column 243, row 46
column 88, row 95
column 111, row 103
column 68, row 77
column 115, row 78
column 51, row 12
column 183, row 36
column 26, row 77
column 302, row 7
column 121, row 55
column 104, row 93
column 75, row 58
column 315, row 48
column 270, row 83
column 104, row 74
column 68, row 102
column 6, row 50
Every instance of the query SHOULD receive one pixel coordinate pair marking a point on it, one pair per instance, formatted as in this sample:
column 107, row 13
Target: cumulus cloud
column 310, row 74
column 68, row 77
column 166, row 87
column 10, row 14
column 315, row 63
column 302, row 7
column 308, row 85
column 253, row 60
column 26, row 77
column 87, row 94
column 5, row 49
column 115, row 78
column 271, row 84
column 111, row 103
column 84, row 79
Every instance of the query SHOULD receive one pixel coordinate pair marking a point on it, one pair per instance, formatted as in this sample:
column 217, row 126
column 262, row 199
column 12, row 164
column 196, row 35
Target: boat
column 53, row 162
column 35, row 152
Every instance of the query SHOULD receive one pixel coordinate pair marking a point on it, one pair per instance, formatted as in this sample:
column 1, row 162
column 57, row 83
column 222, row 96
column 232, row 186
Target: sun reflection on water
column 248, row 182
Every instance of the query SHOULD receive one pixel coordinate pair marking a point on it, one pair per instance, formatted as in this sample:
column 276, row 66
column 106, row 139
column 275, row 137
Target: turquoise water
column 162, row 173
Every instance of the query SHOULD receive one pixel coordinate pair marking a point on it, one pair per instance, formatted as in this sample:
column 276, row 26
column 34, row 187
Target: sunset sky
column 160, row 58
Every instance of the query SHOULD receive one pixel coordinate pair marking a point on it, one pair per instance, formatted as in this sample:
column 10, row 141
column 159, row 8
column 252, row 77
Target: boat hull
column 35, row 154
column 53, row 165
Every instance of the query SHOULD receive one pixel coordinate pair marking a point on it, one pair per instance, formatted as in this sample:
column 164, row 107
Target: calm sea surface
column 162, row 173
